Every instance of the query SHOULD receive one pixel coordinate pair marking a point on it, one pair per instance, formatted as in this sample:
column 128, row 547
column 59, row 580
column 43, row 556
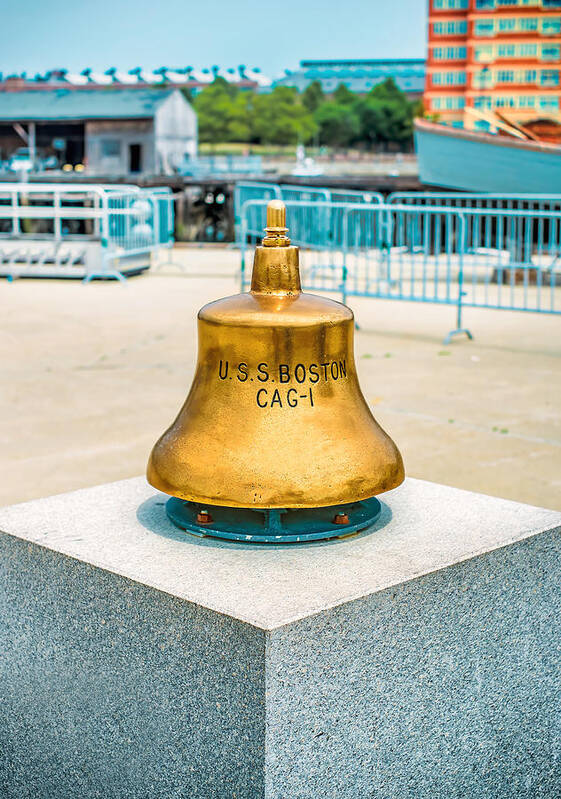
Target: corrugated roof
column 75, row 104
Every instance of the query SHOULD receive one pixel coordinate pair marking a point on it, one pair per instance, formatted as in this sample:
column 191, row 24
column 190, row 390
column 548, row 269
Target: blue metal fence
column 323, row 225
column 503, row 258
column 456, row 199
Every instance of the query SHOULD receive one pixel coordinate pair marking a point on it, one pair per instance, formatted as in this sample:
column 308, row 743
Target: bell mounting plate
column 273, row 526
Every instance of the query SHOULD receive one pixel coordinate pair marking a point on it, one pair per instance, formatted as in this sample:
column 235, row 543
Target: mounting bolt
column 341, row 518
column 204, row 517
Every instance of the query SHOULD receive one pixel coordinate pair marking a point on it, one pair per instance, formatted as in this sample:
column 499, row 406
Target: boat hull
column 472, row 161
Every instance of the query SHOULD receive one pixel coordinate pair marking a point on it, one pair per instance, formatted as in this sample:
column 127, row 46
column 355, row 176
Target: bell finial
column 276, row 225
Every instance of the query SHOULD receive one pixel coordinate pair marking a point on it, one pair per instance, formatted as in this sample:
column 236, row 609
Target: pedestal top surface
column 122, row 527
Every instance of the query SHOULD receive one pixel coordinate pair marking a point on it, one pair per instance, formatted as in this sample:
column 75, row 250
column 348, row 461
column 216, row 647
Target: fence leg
column 105, row 272
column 459, row 330
column 242, row 267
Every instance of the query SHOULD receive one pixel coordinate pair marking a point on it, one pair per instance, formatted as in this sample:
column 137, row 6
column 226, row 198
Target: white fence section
column 81, row 230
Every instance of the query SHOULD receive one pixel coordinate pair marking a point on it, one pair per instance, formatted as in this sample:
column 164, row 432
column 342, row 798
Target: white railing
column 120, row 226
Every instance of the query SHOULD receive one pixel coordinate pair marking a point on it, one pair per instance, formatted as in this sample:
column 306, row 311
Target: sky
column 37, row 35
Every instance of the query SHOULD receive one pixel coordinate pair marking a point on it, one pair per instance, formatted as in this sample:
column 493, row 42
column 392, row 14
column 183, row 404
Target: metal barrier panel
column 506, row 259
column 453, row 199
column 124, row 221
column 247, row 191
column 315, row 225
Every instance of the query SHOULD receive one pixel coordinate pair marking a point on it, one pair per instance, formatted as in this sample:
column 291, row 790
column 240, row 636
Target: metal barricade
column 115, row 229
column 247, row 191
column 457, row 199
column 498, row 258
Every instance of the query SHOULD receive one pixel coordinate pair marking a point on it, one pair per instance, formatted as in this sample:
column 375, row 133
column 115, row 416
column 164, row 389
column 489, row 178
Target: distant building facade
column 497, row 55
column 359, row 76
column 109, row 131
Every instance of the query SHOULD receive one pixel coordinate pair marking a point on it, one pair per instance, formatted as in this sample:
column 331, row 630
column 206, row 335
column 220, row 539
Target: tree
column 313, row 96
column 213, row 107
column 386, row 115
column 279, row 118
column 383, row 121
column 339, row 124
column 343, row 95
column 283, row 116
column 388, row 90
column 239, row 118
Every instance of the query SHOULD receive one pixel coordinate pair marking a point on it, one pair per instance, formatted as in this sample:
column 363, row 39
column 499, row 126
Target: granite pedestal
column 420, row 659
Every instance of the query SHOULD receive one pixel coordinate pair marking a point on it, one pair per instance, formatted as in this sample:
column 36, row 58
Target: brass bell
column 275, row 419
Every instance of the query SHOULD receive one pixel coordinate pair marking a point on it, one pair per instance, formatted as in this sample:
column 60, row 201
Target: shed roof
column 78, row 104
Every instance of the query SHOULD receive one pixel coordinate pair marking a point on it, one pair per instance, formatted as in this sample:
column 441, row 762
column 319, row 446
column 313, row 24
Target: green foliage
column 343, row 95
column 313, row 96
column 285, row 117
column 339, row 125
column 386, row 115
column 213, row 107
column 387, row 90
column 280, row 118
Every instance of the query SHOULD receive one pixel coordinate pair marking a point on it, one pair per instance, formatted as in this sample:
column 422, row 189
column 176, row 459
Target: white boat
column 475, row 161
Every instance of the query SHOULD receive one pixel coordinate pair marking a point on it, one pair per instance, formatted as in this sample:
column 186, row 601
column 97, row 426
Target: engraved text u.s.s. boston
column 296, row 381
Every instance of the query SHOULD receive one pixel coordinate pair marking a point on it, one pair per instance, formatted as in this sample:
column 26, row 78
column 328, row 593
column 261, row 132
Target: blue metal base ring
column 274, row 526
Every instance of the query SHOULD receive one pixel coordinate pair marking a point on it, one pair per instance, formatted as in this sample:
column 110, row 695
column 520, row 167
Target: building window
column 450, row 28
column 551, row 52
column 454, row 103
column 110, row 148
column 506, row 50
column 529, row 76
column 551, row 26
column 482, row 102
column 483, row 79
column 448, row 53
column 528, row 23
column 449, row 5
column 528, row 50
column 549, row 103
column 505, row 76
column 507, row 24
column 484, row 27
column 526, row 102
column 485, row 4
column 484, row 53
column 505, row 102
column 552, row 3
column 549, row 77
column 455, row 78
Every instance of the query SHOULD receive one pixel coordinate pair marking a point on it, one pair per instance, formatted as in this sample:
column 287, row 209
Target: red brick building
column 502, row 55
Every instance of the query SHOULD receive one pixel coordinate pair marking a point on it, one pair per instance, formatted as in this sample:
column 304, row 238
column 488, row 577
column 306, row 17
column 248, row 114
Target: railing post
column 345, row 244
column 15, row 218
column 386, row 242
column 459, row 329
column 243, row 236
column 57, row 221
